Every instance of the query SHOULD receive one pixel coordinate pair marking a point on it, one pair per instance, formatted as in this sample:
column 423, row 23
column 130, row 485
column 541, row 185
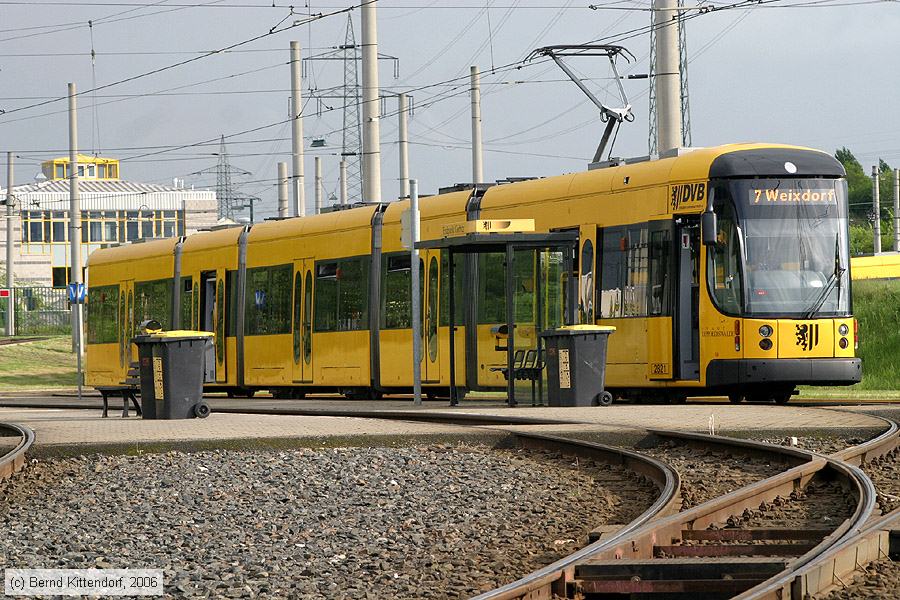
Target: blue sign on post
column 77, row 293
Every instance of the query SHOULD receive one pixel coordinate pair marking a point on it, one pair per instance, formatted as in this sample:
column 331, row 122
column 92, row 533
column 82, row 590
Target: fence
column 39, row 311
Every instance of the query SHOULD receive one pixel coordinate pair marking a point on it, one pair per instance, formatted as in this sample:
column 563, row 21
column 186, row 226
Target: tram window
column 458, row 285
column 268, row 300
column 187, row 302
column 723, row 267
column 635, row 304
column 396, row 303
column 612, row 271
column 102, row 314
column 153, row 300
column 342, row 295
column 660, row 268
column 220, row 321
column 624, row 272
column 231, row 293
column 586, row 287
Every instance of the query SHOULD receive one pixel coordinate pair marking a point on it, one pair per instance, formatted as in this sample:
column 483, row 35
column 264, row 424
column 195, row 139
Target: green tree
column 858, row 183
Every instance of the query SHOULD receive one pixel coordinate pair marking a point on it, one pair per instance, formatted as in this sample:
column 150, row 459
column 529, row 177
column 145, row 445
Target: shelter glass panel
column 491, row 287
column 458, row 288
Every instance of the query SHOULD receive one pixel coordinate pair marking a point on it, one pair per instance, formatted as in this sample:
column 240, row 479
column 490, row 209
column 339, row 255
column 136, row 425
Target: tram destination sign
column 781, row 195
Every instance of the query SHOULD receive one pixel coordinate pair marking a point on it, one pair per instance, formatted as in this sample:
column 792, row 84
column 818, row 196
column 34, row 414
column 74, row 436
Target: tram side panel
column 209, row 296
column 395, row 327
column 307, row 302
column 128, row 285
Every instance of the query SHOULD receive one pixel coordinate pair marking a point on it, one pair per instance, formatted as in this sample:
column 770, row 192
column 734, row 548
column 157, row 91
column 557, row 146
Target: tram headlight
column 765, row 344
column 766, row 331
column 843, row 343
column 843, row 329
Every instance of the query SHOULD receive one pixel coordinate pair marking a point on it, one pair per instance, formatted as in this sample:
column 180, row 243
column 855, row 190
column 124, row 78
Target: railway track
column 11, row 341
column 697, row 552
column 871, row 540
column 14, row 459
column 712, row 549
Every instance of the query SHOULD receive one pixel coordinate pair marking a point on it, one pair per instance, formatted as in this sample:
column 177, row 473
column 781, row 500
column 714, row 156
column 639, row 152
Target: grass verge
column 44, row 364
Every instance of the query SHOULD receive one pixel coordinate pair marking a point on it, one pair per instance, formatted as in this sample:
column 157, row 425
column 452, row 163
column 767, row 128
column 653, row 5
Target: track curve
column 14, row 460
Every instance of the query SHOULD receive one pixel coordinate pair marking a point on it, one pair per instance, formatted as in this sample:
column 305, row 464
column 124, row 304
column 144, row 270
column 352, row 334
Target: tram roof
column 133, row 251
column 213, row 240
column 339, row 220
column 748, row 159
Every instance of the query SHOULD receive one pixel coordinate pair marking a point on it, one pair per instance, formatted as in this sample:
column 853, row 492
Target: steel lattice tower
column 224, row 190
column 351, row 147
column 685, row 98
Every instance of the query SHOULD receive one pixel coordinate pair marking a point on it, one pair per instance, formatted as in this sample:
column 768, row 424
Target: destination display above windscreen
column 787, row 194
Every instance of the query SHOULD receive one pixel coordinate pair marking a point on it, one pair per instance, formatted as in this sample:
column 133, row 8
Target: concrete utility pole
column 416, row 286
column 404, row 145
column 343, row 183
column 297, row 131
column 896, row 210
column 371, row 125
column 10, row 241
column 668, row 75
column 876, row 204
column 282, row 190
column 477, row 150
column 318, row 183
column 75, row 231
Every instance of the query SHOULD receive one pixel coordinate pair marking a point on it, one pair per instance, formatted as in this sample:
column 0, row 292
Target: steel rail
column 639, row 537
column 860, row 542
column 14, row 460
column 666, row 478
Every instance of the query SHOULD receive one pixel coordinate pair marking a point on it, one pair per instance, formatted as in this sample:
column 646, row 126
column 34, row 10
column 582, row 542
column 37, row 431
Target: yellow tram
column 724, row 270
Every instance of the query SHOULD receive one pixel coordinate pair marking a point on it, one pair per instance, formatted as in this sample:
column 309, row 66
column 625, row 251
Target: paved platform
column 64, row 429
column 75, row 431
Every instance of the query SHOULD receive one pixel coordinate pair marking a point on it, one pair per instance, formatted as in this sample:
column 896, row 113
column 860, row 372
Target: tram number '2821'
column 659, row 368
column 688, row 195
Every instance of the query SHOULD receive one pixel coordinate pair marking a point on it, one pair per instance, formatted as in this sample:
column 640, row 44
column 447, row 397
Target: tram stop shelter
column 557, row 288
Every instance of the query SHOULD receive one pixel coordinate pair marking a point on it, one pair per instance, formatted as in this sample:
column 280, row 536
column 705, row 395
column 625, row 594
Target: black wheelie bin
column 576, row 365
column 174, row 366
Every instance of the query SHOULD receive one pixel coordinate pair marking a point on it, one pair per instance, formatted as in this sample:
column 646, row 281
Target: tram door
column 302, row 320
column 126, row 323
column 687, row 299
column 430, row 282
column 212, row 315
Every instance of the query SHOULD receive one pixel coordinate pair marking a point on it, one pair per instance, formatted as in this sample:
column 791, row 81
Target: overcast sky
column 824, row 74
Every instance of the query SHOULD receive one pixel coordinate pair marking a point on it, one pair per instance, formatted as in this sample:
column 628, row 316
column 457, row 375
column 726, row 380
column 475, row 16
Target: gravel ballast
column 435, row 522
column 708, row 473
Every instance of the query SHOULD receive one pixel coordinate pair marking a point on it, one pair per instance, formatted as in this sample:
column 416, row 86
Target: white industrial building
column 113, row 211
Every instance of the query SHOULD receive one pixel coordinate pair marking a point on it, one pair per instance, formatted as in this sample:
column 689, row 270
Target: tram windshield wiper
column 829, row 285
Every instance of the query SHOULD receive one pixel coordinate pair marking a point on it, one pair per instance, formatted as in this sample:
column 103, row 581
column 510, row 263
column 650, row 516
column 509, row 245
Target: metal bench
column 527, row 366
column 127, row 390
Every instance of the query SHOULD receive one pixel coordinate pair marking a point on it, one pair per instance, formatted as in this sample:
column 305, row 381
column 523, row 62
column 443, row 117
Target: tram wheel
column 736, row 398
column 781, row 397
column 603, row 399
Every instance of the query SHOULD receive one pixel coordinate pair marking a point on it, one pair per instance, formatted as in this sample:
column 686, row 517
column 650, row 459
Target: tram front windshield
column 782, row 248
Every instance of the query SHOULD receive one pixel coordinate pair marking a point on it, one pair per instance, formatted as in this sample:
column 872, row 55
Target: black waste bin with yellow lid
column 174, row 366
column 576, row 365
